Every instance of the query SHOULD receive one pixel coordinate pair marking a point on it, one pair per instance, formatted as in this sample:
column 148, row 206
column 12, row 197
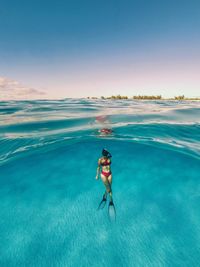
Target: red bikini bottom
column 107, row 174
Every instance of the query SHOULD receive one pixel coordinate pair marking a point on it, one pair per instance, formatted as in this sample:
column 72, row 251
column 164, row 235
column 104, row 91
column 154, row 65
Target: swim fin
column 111, row 211
column 103, row 202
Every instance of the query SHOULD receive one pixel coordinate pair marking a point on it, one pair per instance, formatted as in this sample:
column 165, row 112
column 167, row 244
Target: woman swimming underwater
column 106, row 176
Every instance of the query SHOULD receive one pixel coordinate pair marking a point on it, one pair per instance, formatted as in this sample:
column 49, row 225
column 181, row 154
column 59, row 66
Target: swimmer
column 106, row 176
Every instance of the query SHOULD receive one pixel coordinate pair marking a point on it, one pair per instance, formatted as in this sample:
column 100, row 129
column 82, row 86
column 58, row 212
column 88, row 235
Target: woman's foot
column 105, row 196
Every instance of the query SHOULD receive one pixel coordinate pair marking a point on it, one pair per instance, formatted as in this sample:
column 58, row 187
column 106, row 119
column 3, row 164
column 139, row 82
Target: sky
column 80, row 48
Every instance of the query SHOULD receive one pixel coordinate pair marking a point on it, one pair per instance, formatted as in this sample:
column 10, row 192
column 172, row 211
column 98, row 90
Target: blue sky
column 83, row 48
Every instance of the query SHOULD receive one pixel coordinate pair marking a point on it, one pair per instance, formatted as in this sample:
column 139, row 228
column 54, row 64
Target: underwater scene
column 49, row 195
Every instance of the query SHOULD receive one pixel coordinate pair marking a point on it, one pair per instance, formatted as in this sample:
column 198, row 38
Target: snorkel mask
column 105, row 153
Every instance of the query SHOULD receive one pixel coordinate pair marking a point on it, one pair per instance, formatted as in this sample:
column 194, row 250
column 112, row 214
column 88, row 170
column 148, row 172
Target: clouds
column 14, row 90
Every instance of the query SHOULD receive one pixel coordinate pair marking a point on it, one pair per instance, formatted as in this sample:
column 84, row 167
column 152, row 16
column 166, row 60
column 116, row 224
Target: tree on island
column 117, row 97
column 180, row 97
column 147, row 97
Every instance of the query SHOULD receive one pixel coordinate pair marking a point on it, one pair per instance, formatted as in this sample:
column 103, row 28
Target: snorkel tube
column 106, row 153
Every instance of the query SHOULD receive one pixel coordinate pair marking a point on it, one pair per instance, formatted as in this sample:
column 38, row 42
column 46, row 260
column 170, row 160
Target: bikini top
column 106, row 163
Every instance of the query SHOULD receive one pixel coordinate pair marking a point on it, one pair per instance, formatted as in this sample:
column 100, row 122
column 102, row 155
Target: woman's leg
column 110, row 179
column 110, row 182
column 107, row 182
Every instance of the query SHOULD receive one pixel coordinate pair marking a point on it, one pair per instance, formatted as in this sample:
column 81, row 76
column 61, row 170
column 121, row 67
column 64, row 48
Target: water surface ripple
column 25, row 125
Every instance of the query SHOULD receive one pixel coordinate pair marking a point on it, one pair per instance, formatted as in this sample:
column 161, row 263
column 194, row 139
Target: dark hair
column 105, row 153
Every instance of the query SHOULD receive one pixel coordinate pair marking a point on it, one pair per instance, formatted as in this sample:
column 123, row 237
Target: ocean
column 49, row 196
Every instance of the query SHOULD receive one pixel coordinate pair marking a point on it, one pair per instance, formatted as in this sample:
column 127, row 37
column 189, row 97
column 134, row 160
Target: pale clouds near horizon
column 14, row 90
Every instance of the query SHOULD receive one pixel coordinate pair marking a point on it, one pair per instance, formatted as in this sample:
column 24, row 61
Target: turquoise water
column 49, row 195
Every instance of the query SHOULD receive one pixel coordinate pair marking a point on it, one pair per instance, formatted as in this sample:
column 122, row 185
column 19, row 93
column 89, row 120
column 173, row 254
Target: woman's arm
column 98, row 169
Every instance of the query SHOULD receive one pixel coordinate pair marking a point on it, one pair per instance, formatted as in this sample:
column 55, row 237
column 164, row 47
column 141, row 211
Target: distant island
column 146, row 97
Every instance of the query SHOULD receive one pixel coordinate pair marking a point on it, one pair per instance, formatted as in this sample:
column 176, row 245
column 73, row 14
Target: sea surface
column 49, row 195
